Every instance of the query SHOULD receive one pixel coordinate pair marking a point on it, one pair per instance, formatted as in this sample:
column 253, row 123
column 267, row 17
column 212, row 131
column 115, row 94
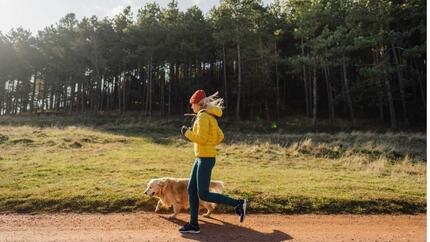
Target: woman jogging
column 205, row 135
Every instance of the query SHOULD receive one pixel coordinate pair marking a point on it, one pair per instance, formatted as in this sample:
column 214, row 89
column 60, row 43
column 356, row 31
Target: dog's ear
column 154, row 182
column 158, row 182
column 164, row 184
column 151, row 182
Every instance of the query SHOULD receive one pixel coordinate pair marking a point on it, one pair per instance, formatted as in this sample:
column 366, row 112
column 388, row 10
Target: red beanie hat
column 197, row 97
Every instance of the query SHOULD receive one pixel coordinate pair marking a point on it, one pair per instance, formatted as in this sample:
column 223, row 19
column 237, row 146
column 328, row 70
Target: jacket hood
column 216, row 111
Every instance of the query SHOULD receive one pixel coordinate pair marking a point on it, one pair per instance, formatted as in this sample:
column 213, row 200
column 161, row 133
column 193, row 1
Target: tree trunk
column 109, row 95
column 86, row 94
column 380, row 99
column 420, row 84
column 114, row 93
column 401, row 86
column 58, row 95
column 423, row 92
column 33, row 93
column 224, row 67
column 380, row 92
column 118, row 90
column 98, row 92
column 309, row 81
column 72, row 95
column 2, row 97
column 264, row 76
column 162, row 86
column 305, row 82
column 150, row 87
column 389, row 95
column 45, row 98
column 24, row 95
column 78, row 96
column 176, row 98
column 64, row 97
column 239, row 82
column 51, row 96
column 124, row 91
column 390, row 102
column 278, row 96
column 9, row 97
column 347, row 92
column 314, row 108
column 169, row 90
column 199, row 76
column 147, row 90
column 331, row 112
column 102, row 93
column 15, row 95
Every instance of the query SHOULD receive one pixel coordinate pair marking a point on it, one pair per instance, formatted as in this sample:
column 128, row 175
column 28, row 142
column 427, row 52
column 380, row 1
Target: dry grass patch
column 76, row 168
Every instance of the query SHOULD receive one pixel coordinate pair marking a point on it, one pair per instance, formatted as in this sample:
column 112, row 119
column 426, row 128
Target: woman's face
column 195, row 107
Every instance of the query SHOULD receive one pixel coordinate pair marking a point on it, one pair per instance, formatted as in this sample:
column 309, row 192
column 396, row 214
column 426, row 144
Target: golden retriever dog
column 174, row 192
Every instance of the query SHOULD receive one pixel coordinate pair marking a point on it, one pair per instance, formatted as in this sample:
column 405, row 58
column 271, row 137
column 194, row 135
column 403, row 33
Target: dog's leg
column 210, row 207
column 159, row 204
column 176, row 210
column 207, row 214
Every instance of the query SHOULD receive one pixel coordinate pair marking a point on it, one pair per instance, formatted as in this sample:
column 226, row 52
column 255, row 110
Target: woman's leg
column 193, row 198
column 204, row 171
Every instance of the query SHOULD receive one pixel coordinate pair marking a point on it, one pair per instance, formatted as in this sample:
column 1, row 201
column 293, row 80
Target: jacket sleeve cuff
column 188, row 134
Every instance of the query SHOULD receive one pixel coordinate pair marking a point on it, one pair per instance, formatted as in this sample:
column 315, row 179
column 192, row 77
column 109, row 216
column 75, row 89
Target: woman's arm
column 220, row 135
column 200, row 133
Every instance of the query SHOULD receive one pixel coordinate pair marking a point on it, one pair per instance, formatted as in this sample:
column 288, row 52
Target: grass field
column 54, row 164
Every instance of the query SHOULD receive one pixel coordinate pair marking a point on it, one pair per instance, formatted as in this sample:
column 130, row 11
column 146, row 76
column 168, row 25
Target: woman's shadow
column 229, row 232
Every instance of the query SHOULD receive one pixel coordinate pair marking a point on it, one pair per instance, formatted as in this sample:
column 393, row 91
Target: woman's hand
column 183, row 131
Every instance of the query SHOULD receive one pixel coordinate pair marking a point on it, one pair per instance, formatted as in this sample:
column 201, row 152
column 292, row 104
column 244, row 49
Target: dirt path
column 222, row 227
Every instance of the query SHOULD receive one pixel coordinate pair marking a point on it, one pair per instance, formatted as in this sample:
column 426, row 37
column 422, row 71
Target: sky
column 35, row 15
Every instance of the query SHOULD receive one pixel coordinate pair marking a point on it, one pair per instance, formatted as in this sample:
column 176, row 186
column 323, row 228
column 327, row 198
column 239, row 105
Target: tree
column 367, row 58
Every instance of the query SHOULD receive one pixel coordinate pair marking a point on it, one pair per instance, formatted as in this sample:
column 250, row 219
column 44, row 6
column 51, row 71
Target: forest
column 334, row 60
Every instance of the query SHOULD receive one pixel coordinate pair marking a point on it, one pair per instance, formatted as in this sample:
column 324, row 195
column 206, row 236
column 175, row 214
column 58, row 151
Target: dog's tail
column 217, row 186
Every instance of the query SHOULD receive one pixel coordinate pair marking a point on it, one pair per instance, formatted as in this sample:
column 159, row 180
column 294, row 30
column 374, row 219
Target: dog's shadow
column 229, row 232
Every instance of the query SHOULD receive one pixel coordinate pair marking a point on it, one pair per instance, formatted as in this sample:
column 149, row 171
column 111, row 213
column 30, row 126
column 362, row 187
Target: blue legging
column 198, row 187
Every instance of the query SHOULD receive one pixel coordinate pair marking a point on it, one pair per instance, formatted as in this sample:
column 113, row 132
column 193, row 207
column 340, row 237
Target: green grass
column 104, row 167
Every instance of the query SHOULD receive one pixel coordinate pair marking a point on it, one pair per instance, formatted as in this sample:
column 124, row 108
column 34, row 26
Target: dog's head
column 154, row 187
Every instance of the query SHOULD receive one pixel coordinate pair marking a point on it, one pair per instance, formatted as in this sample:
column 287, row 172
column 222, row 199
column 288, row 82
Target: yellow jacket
column 206, row 133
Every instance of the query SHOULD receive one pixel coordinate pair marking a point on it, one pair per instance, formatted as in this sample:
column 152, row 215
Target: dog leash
column 193, row 115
